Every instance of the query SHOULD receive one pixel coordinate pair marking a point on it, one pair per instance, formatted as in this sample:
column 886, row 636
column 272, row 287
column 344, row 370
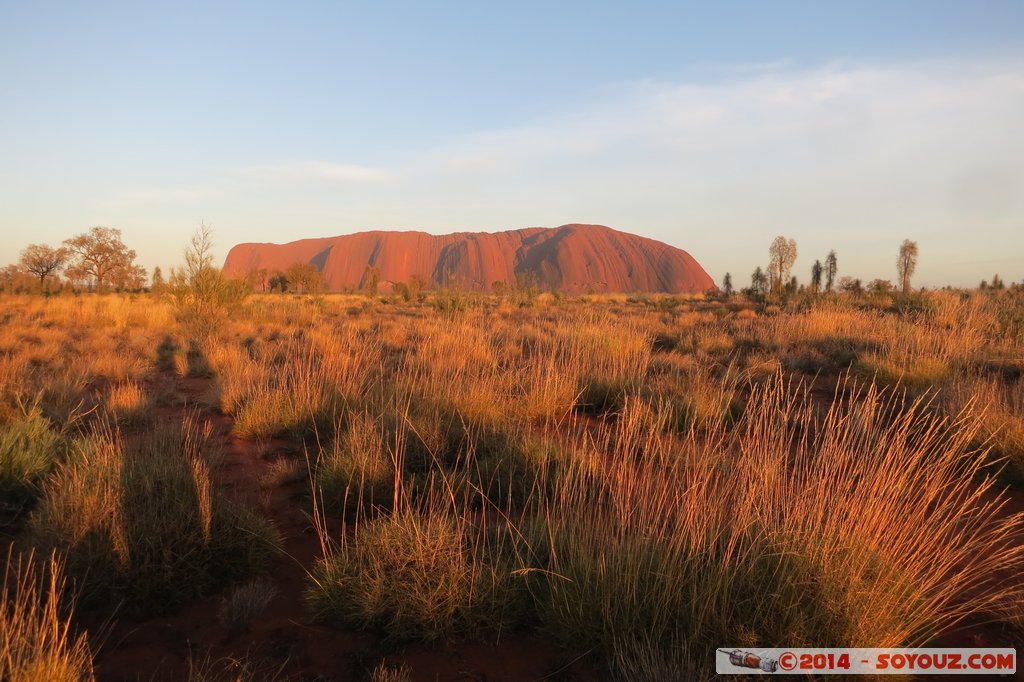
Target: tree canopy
column 42, row 260
column 99, row 256
column 906, row 263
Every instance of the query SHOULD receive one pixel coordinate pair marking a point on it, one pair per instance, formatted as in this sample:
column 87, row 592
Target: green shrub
column 357, row 471
column 421, row 575
column 29, row 448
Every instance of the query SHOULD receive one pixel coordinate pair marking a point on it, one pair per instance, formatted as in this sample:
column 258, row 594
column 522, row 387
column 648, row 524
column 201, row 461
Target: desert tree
column 816, row 271
column 831, row 270
column 997, row 282
column 782, row 256
column 306, row 278
column 758, row 282
column 278, row 282
column 258, row 279
column 880, row 286
column 851, row 285
column 906, row 263
column 98, row 255
column 15, row 279
column 201, row 292
column 158, row 285
column 416, row 285
column 42, row 261
column 131, row 278
column 727, row 285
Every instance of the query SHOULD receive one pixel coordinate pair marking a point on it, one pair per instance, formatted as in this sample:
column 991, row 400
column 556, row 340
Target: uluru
column 572, row 258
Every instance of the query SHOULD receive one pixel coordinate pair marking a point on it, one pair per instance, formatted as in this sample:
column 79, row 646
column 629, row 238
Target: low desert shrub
column 357, row 470
column 421, row 574
column 249, row 667
column 29, row 448
column 245, row 602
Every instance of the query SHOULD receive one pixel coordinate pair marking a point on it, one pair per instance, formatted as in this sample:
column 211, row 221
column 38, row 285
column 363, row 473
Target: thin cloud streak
column 316, row 170
column 842, row 156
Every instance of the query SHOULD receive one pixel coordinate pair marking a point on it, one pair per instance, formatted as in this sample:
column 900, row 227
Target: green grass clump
column 29, row 448
column 145, row 527
column 357, row 471
column 420, row 575
column 915, row 374
column 245, row 602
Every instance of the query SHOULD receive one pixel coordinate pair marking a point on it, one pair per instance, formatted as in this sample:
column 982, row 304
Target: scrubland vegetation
column 640, row 479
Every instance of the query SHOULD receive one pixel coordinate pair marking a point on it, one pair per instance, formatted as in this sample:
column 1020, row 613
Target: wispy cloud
column 316, row 170
column 848, row 156
column 143, row 196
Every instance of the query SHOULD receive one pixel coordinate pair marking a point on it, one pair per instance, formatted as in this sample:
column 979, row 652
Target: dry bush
column 245, row 602
column 249, row 667
column 999, row 407
column 386, row 673
column 294, row 386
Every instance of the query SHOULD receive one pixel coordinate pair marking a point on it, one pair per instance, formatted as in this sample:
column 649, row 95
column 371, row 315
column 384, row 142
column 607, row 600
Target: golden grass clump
column 793, row 528
column 128, row 403
column 36, row 638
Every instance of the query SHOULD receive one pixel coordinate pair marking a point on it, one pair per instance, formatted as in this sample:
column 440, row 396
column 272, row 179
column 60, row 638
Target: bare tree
column 907, row 263
column 100, row 255
column 782, row 253
column 42, row 261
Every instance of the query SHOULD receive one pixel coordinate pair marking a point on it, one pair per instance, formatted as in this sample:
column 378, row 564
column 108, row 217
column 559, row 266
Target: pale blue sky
column 710, row 126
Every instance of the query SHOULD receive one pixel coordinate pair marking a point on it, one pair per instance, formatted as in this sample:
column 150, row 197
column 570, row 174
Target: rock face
column 570, row 258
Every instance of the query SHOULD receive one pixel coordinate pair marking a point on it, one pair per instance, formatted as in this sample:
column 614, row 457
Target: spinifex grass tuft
column 143, row 524
column 863, row 524
column 36, row 639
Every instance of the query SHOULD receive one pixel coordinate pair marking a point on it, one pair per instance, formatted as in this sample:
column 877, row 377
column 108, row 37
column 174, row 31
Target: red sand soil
column 571, row 258
column 283, row 638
